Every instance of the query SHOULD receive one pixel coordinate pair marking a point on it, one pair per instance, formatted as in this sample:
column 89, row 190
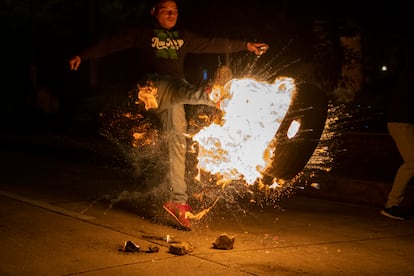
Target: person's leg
column 177, row 148
column 171, row 96
column 172, row 93
column 180, row 92
column 403, row 135
column 174, row 125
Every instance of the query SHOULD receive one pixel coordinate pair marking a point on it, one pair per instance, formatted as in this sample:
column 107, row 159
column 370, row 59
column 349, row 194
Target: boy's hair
column 157, row 3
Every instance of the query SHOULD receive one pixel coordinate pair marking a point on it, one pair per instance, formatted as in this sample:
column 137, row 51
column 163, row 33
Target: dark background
column 40, row 36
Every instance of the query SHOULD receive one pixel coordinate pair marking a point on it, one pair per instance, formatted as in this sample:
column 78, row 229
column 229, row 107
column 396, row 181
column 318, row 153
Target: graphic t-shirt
column 164, row 50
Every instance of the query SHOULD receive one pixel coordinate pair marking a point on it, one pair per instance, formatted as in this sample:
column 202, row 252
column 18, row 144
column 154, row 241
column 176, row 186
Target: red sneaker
column 178, row 212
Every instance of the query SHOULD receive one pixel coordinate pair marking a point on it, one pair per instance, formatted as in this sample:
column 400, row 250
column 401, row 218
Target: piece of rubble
column 181, row 248
column 152, row 249
column 130, row 246
column 224, row 241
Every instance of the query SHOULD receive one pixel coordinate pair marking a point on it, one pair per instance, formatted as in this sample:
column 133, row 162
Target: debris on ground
column 181, row 248
column 224, row 241
column 131, row 247
column 153, row 249
column 167, row 238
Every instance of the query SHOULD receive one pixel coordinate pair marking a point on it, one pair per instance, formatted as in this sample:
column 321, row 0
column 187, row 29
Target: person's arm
column 198, row 44
column 116, row 43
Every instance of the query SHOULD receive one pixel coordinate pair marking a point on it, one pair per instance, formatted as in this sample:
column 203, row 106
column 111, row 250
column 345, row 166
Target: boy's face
column 167, row 14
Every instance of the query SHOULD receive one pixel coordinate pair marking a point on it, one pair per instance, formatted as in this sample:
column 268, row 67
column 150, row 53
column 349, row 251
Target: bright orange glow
column 144, row 135
column 240, row 147
column 148, row 94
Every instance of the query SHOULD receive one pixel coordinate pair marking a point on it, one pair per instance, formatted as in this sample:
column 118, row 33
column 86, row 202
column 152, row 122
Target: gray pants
column 173, row 94
column 403, row 135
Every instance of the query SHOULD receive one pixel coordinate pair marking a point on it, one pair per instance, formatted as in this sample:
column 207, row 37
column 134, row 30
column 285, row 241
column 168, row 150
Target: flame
column 240, row 147
column 202, row 213
column 148, row 94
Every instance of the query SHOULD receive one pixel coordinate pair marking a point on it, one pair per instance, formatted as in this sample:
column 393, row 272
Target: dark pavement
column 57, row 218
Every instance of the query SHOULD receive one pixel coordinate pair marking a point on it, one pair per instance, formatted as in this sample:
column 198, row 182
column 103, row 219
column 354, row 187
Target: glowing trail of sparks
column 202, row 213
column 240, row 147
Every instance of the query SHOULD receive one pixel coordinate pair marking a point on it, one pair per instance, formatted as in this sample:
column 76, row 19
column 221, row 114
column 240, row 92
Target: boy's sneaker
column 394, row 212
column 178, row 212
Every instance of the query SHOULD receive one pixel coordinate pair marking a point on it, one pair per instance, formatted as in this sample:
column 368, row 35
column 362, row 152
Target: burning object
column 268, row 131
column 309, row 108
column 238, row 148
